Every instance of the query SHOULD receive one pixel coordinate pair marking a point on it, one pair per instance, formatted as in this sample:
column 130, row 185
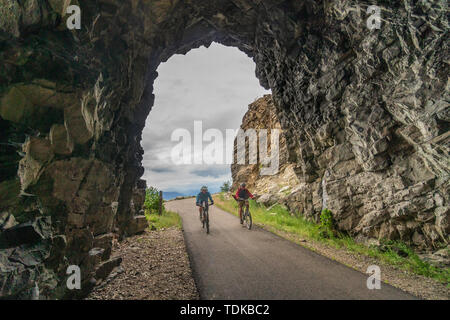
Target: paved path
column 235, row 263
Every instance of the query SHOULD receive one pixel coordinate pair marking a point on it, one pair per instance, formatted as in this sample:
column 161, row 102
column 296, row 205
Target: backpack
column 243, row 194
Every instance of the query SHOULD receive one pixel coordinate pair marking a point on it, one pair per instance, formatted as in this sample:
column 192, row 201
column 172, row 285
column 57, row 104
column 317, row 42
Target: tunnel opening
column 209, row 89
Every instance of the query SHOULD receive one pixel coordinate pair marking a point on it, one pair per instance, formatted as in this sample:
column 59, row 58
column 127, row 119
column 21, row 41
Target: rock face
column 365, row 116
column 262, row 114
column 402, row 201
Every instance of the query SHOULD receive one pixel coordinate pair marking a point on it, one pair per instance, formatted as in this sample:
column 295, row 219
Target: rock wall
column 269, row 189
column 262, row 114
column 404, row 201
column 370, row 107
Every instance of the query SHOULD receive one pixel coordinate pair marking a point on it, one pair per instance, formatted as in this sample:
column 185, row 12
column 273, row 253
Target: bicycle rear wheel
column 248, row 219
column 203, row 219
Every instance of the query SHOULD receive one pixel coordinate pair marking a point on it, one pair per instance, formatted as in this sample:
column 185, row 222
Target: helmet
column 204, row 188
column 243, row 185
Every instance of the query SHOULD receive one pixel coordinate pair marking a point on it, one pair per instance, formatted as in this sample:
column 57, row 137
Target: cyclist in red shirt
column 241, row 196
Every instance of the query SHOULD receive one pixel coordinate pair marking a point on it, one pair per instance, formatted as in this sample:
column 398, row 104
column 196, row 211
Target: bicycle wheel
column 203, row 218
column 248, row 219
column 207, row 221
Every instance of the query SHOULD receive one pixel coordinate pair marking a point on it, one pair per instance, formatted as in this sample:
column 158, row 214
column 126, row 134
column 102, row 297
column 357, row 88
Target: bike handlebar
column 209, row 204
column 240, row 199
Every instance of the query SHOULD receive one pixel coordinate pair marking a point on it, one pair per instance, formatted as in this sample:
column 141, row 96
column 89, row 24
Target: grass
column 166, row 220
column 280, row 221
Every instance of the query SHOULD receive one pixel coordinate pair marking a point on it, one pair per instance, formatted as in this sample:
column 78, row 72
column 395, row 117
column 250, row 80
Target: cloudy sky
column 213, row 85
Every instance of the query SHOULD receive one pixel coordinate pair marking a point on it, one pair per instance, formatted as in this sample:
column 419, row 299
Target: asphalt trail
column 235, row 263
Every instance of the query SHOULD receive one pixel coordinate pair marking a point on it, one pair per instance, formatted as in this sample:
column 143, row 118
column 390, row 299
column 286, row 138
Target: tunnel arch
column 369, row 105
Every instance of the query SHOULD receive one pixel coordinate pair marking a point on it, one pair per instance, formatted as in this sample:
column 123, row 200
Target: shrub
column 326, row 224
column 225, row 187
column 151, row 203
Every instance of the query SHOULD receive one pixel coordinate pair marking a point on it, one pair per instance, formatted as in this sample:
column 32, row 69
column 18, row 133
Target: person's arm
column 210, row 198
column 237, row 194
column 250, row 195
column 197, row 199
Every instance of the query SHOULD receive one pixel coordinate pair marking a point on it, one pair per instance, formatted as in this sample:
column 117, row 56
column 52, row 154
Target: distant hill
column 169, row 195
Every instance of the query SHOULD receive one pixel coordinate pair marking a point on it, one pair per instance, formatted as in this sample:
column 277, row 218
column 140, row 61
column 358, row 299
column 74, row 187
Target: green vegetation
column 326, row 226
column 226, row 186
column 151, row 206
column 280, row 221
column 166, row 220
column 151, row 203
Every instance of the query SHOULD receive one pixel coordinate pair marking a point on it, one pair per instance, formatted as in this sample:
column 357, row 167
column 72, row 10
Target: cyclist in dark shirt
column 203, row 196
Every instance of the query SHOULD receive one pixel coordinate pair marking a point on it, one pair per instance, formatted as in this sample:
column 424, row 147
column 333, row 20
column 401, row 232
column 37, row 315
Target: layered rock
column 262, row 115
column 365, row 114
column 403, row 201
column 138, row 221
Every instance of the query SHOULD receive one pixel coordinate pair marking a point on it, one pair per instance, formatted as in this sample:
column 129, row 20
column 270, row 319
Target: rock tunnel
column 364, row 110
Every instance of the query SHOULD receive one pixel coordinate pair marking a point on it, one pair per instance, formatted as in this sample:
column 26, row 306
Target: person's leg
column 200, row 212
column 240, row 210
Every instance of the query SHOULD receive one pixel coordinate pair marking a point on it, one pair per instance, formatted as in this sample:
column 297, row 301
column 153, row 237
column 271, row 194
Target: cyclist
column 203, row 196
column 242, row 195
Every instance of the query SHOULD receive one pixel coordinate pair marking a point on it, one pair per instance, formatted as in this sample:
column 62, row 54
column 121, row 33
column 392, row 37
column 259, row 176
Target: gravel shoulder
column 155, row 266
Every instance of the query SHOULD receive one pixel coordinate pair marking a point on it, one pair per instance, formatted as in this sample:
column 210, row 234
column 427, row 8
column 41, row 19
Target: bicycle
column 246, row 215
column 205, row 215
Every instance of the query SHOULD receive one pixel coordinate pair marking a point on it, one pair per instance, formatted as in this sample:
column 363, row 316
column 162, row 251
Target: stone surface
column 7, row 221
column 440, row 258
column 24, row 249
column 137, row 225
column 60, row 140
column 404, row 200
column 104, row 241
column 106, row 267
column 364, row 114
column 25, row 233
